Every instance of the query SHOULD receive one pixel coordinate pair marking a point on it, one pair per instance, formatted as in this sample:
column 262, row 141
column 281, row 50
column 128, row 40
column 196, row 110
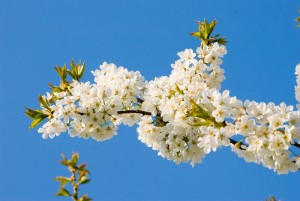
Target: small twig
column 296, row 145
column 135, row 112
column 139, row 100
column 75, row 186
column 234, row 142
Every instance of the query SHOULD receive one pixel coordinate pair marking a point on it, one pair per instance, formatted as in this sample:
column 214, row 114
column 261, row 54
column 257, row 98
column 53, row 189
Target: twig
column 135, row 112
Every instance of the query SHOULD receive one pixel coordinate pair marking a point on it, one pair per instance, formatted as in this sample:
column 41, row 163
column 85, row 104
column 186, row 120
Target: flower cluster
column 269, row 131
column 91, row 110
column 198, row 118
column 183, row 116
column 182, row 101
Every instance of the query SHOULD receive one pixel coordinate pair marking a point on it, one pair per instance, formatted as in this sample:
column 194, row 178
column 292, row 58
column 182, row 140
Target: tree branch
column 135, row 112
column 296, row 145
column 234, row 142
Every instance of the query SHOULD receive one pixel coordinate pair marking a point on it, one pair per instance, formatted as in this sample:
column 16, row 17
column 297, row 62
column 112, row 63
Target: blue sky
column 263, row 51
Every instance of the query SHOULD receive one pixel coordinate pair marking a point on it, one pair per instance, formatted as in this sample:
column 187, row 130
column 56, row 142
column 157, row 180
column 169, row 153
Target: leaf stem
column 75, row 186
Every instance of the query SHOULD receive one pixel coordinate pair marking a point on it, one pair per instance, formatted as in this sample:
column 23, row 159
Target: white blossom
column 183, row 116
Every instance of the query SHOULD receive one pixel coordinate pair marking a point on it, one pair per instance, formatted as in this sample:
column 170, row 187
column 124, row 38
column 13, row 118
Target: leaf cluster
column 79, row 176
column 271, row 198
column 204, row 33
column 76, row 73
column 38, row 115
column 205, row 118
column 298, row 19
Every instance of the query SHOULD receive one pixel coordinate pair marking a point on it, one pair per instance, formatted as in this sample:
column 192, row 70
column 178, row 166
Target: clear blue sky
column 36, row 35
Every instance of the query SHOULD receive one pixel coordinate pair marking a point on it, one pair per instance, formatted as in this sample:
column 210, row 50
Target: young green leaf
column 74, row 159
column 84, row 198
column 200, row 124
column 62, row 72
column 63, row 181
column 63, row 192
column 44, row 102
column 179, row 90
column 159, row 122
column 72, row 64
column 298, row 20
column 55, row 89
column 36, row 121
column 196, row 34
column 72, row 74
column 212, row 26
column 77, row 70
column 81, row 70
column 205, row 30
column 63, row 156
column 65, row 162
column 271, row 198
column 84, row 180
column 34, row 113
column 82, row 167
column 37, row 115
column 78, row 177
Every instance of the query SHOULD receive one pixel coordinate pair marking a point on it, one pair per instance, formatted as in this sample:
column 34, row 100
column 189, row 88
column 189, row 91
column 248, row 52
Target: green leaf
column 63, row 156
column 63, row 192
column 212, row 26
column 206, row 29
column 179, row 90
column 81, row 70
column 196, row 34
column 298, row 20
column 63, row 181
column 65, row 161
column 159, row 122
column 32, row 113
column 44, row 102
column 84, row 180
column 84, row 198
column 72, row 64
column 271, row 198
column 73, row 75
column 200, row 124
column 74, row 69
column 35, row 113
column 77, row 70
column 55, row 88
column 36, row 121
column 62, row 72
column 74, row 160
column 198, row 111
column 203, row 115
column 195, row 114
column 82, row 167
column 221, row 41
